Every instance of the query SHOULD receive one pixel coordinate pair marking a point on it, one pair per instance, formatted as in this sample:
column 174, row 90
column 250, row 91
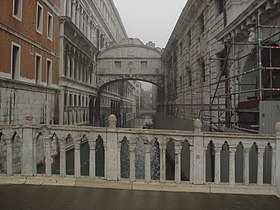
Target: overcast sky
column 150, row 20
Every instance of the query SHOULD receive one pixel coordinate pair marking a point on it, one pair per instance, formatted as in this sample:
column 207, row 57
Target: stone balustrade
column 198, row 158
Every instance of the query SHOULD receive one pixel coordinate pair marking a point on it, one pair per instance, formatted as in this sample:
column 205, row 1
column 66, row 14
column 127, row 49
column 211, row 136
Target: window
column 118, row 64
column 39, row 19
column 15, row 61
column 202, row 69
column 49, row 72
column 17, row 9
column 222, row 62
column 189, row 39
column 38, row 68
column 220, row 4
column 201, row 24
column 144, row 64
column 189, row 77
column 50, row 26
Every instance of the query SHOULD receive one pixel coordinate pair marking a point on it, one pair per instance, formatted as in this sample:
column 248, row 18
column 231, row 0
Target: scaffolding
column 249, row 74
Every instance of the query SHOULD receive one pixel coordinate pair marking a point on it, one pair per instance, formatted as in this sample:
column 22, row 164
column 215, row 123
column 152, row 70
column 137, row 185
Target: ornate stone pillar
column 191, row 164
column 147, row 146
column 246, row 165
column 273, row 167
column 198, row 154
column 62, row 157
column 162, row 148
column 232, row 165
column 132, row 147
column 92, row 144
column 217, row 165
column 34, row 145
column 48, row 157
column 260, row 166
column 178, row 149
column 277, row 157
column 9, row 145
column 77, row 157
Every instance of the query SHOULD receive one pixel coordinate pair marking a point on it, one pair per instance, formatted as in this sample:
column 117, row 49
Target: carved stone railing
column 211, row 158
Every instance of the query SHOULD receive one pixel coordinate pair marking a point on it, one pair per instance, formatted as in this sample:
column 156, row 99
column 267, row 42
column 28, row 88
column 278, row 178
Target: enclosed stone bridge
column 130, row 60
column 202, row 162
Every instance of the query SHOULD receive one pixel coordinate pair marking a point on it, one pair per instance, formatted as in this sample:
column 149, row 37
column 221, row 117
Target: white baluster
column 162, row 147
column 132, row 148
column 232, row 152
column 48, row 158
column 9, row 156
column 191, row 164
column 62, row 157
column 147, row 162
column 260, row 166
column 92, row 145
column 246, row 166
column 77, row 157
column 217, row 165
column 178, row 149
column 273, row 167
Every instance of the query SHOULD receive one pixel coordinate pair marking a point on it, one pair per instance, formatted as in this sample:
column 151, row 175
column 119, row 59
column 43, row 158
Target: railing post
column 162, row 147
column 191, row 164
column 62, row 157
column 178, row 149
column 132, row 147
column 92, row 144
column 9, row 145
column 217, row 165
column 277, row 158
column 27, row 161
column 48, row 141
column 77, row 157
column 260, row 166
column 111, row 150
column 232, row 165
column 147, row 162
column 198, row 154
column 246, row 165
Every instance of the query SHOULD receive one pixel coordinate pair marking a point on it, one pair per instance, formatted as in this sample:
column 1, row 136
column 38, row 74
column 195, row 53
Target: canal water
column 125, row 162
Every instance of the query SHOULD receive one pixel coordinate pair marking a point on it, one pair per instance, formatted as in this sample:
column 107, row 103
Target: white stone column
column 232, row 165
column 48, row 157
column 277, row 157
column 34, row 145
column 204, row 164
column 9, row 145
column 147, row 162
column 217, row 165
column 260, row 166
column 273, row 167
column 246, row 165
column 191, row 164
column 162, row 148
column 119, row 160
column 198, row 154
column 82, row 21
column 178, row 149
column 77, row 157
column 62, row 157
column 132, row 147
column 92, row 145
column 69, row 7
column 27, row 152
column 77, row 22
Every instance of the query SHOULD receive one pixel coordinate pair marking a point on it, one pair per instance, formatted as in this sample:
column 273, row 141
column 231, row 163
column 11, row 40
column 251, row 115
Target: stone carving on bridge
column 112, row 121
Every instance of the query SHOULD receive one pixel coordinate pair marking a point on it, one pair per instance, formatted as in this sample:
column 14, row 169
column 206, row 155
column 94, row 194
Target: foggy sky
column 150, row 20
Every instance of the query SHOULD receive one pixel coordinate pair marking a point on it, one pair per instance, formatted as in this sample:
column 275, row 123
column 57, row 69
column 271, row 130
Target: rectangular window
column 202, row 69
column 15, row 61
column 189, row 39
column 39, row 19
column 38, row 68
column 118, row 64
column 17, row 9
column 144, row 64
column 190, row 78
column 50, row 26
column 201, row 24
column 49, row 72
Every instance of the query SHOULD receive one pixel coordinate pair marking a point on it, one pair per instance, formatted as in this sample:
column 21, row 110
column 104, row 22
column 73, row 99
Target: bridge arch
column 130, row 60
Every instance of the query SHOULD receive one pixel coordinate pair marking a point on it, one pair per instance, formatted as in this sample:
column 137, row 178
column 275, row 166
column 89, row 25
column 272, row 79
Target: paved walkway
column 28, row 197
